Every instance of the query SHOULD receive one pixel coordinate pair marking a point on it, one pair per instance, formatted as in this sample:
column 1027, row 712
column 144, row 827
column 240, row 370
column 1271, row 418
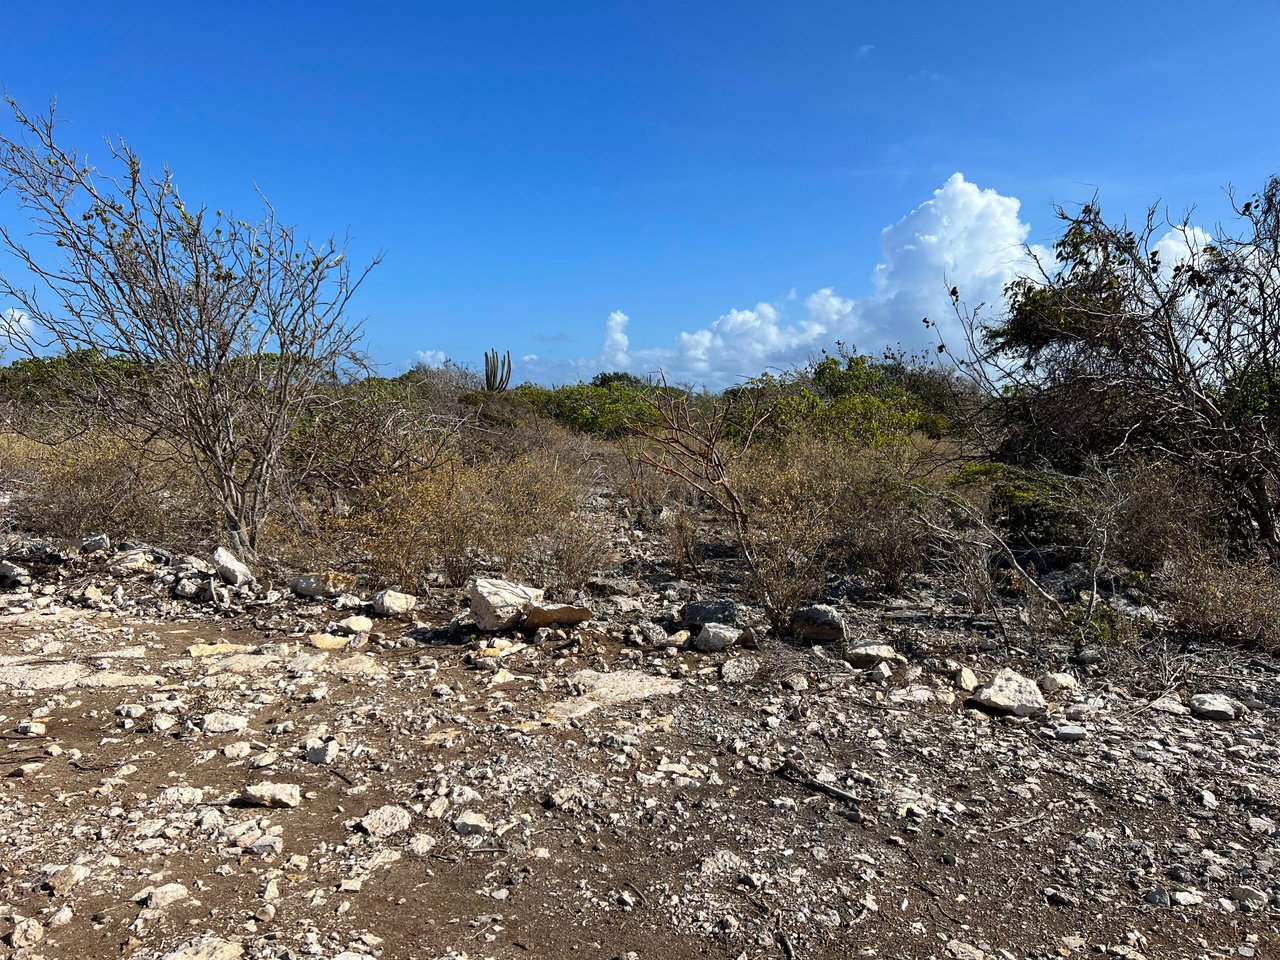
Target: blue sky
column 715, row 177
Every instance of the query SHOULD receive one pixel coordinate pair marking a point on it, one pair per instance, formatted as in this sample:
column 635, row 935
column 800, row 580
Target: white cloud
column 963, row 236
column 616, row 343
column 16, row 327
column 17, row 320
column 430, row 358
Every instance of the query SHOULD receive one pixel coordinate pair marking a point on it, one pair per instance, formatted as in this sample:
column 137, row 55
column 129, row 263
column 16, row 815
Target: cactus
column 497, row 371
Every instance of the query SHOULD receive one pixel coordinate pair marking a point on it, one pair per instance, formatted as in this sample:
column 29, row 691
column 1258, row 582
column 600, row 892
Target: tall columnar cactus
column 497, row 371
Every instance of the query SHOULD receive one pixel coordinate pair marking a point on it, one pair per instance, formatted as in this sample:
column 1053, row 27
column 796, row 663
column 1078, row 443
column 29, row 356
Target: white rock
column 386, row 821
column 27, row 932
column 966, row 680
column 1170, row 705
column 391, row 603
column 1216, row 706
column 160, row 897
column 740, row 669
column 322, row 752
column 1249, row 895
column 207, row 948
column 714, row 637
column 1052, row 683
column 14, row 572
column 470, row 823
column 1070, row 733
column 230, row 569
column 221, row 722
column 1011, row 692
column 499, row 604
column 321, row 585
column 273, row 794
column 183, row 795
column 354, row 625
column 868, row 653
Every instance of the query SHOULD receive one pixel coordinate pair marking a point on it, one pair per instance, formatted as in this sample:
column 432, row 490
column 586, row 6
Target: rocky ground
column 195, row 766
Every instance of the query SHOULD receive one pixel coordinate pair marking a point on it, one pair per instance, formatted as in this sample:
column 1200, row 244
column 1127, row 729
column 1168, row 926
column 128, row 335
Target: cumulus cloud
column 963, row 235
column 616, row 343
column 430, row 358
column 15, row 327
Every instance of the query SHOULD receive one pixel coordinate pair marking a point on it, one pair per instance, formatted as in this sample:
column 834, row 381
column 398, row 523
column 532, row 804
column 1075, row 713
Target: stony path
column 195, row 787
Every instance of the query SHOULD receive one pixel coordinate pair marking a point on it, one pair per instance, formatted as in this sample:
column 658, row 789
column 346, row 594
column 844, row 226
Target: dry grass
column 1234, row 601
column 525, row 518
column 100, row 483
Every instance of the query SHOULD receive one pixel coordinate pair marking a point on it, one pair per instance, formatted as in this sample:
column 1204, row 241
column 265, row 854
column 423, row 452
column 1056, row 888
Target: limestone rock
column 818, row 624
column 207, row 948
column 1170, row 705
column 869, row 653
column 386, row 821
column 14, row 573
column 134, row 562
column 1011, row 692
column 354, row 625
column 469, row 824
column 230, row 569
column 392, row 603
column 157, row 898
column 322, row 752
column 328, row 641
column 1052, row 683
column 715, row 637
column 322, row 585
column 267, row 794
column 221, row 722
column 740, row 669
column 499, row 604
column 27, row 932
column 554, row 614
column 1216, row 706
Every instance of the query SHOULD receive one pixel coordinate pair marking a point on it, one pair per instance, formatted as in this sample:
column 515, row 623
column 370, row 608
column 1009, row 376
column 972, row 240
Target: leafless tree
column 697, row 440
column 214, row 332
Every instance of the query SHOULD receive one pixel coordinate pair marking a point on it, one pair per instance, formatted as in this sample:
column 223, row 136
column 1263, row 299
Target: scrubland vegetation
column 188, row 378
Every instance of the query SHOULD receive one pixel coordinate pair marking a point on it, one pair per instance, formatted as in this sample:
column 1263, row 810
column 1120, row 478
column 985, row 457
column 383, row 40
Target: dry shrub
column 684, row 540
column 1165, row 512
column 651, row 493
column 524, row 518
column 101, row 483
column 793, row 500
column 1232, row 601
column 816, row 507
column 879, row 511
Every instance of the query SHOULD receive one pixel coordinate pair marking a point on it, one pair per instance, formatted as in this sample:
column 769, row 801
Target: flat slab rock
column 554, row 614
column 1011, row 692
column 207, row 948
column 603, row 689
column 1216, row 706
